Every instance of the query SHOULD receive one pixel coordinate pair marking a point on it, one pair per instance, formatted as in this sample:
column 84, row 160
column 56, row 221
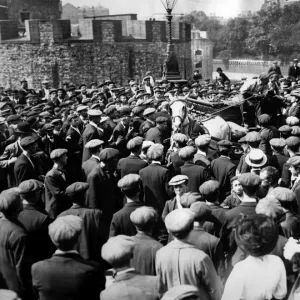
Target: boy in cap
column 196, row 174
column 118, row 252
column 144, row 220
column 205, row 241
column 66, row 272
column 202, row 143
column 149, row 115
column 223, row 169
column 234, row 199
column 56, row 182
column 130, row 185
column 133, row 163
column 181, row 262
column 95, row 147
column 92, row 132
column 104, row 193
column 91, row 238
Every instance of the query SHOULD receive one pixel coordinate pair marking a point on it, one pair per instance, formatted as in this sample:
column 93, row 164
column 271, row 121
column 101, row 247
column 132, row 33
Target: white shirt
column 256, row 278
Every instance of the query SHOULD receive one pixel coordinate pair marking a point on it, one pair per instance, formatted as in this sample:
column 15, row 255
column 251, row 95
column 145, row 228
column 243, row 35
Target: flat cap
column 187, row 199
column 180, row 138
column 292, row 121
column 137, row 110
column 29, row 186
column 93, row 144
column 264, row 119
column 57, row 153
column 203, row 140
column 209, row 187
column 249, row 180
column 201, row 210
column 48, row 127
column 8, row 295
column 160, row 120
column 224, row 144
column 291, row 248
column 253, row 137
column 148, row 111
column 2, row 120
column 135, row 142
column 45, row 114
column 292, row 141
column 294, row 161
column 143, row 216
column 27, row 141
column 283, row 194
column 110, row 109
column 179, row 220
column 52, row 91
column 187, row 152
column 242, row 140
column 147, row 144
column 81, row 108
column 108, row 153
column 181, row 292
column 129, row 182
column 117, row 248
column 77, row 187
column 279, row 143
column 13, row 118
column 94, row 113
column 156, row 151
column 178, row 179
column 285, row 128
column 124, row 111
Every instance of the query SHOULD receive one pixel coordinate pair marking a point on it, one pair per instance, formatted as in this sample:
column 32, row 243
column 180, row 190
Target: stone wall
column 101, row 53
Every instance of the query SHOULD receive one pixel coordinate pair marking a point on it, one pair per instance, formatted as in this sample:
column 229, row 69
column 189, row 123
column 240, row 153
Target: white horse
column 217, row 127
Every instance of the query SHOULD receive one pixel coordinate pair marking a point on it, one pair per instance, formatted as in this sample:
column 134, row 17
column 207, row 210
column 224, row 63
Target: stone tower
column 21, row 10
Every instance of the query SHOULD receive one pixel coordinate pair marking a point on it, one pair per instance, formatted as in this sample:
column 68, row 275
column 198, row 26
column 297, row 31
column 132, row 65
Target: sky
column 148, row 8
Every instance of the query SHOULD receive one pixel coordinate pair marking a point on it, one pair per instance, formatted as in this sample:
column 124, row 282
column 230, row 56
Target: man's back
column 131, row 165
column 132, row 286
column 67, row 276
column 179, row 263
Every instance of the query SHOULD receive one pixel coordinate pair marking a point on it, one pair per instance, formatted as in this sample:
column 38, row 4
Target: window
column 198, row 52
column 25, row 15
column 199, row 65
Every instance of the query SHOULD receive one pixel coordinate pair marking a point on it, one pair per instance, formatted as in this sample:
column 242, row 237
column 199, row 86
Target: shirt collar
column 65, row 252
column 95, row 156
column 201, row 152
column 156, row 162
column 125, row 271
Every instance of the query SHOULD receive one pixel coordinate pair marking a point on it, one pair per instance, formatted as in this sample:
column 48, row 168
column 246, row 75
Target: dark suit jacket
column 131, row 165
column 36, row 223
column 121, row 223
column 58, row 143
column 91, row 238
column 201, row 160
column 55, row 193
column 90, row 133
column 155, row 180
column 89, row 165
column 155, row 135
column 294, row 72
column 12, row 256
column 196, row 174
column 22, row 96
column 120, row 139
column 290, row 225
column 24, row 170
column 145, row 248
column 131, row 285
column 68, row 276
column 223, row 170
column 277, row 161
column 103, row 193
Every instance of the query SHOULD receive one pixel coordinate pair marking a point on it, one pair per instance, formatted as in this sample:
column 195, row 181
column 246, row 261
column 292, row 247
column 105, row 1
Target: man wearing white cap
column 181, row 263
column 92, row 132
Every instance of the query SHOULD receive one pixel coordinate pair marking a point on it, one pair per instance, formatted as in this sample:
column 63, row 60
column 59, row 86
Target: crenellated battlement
column 100, row 31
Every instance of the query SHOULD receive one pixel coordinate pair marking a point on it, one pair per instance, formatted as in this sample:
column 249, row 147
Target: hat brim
column 178, row 182
column 251, row 164
column 20, row 131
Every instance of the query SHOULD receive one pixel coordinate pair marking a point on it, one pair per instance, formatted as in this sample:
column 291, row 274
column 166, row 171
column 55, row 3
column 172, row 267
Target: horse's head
column 179, row 112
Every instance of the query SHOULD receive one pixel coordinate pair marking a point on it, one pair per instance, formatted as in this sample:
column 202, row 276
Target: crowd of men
column 100, row 199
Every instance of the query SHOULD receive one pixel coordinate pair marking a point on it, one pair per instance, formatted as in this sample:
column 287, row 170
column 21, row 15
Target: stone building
column 202, row 53
column 21, row 10
column 74, row 14
column 105, row 50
